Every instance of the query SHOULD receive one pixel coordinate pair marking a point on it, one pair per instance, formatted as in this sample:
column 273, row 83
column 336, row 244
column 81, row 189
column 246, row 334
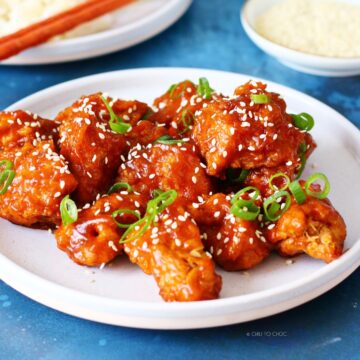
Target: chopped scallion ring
column 234, row 176
column 204, row 88
column 154, row 208
column 147, row 114
column 252, row 191
column 302, row 155
column 6, row 176
column 272, row 209
column 303, row 121
column 279, row 175
column 260, row 98
column 120, row 185
column 188, row 119
column 168, row 140
column 116, row 123
column 297, row 192
column 172, row 89
column 245, row 209
column 317, row 194
column 116, row 213
column 68, row 211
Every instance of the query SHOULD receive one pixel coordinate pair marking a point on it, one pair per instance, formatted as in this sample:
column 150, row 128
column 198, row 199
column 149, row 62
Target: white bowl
column 311, row 64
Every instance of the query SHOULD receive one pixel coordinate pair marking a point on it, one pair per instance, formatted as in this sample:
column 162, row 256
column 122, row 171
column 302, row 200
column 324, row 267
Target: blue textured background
column 208, row 36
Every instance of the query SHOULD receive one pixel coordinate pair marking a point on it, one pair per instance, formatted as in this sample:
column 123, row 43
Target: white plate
column 132, row 25
column 311, row 64
column 121, row 294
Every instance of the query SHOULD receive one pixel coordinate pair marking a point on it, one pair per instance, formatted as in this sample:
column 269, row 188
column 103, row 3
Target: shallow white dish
column 121, row 294
column 132, row 25
column 307, row 63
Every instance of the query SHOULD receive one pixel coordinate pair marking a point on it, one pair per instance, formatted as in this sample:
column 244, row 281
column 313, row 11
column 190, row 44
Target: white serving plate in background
column 307, row 63
column 121, row 294
column 133, row 24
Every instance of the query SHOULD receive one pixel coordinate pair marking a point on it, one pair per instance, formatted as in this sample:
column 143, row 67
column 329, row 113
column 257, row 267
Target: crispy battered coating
column 166, row 167
column 235, row 244
column 172, row 251
column 313, row 227
column 237, row 133
column 42, row 179
column 19, row 127
column 91, row 147
column 93, row 240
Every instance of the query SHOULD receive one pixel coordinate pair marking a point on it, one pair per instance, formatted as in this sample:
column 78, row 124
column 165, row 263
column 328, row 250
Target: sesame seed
column 216, row 214
column 193, row 179
column 57, row 194
column 219, row 252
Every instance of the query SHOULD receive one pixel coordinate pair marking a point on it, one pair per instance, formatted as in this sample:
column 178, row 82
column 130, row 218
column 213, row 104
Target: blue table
column 208, row 36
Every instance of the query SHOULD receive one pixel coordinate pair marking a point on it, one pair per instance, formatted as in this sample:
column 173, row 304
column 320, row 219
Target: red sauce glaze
column 19, row 127
column 93, row 240
column 237, row 133
column 234, row 243
column 171, row 250
column 42, row 179
column 166, row 167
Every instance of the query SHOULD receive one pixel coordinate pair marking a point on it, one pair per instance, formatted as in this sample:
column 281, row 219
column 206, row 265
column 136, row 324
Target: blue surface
column 208, row 36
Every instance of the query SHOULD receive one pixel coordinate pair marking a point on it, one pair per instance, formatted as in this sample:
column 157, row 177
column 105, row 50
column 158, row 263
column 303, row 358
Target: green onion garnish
column 116, row 213
column 260, row 98
column 120, row 185
column 171, row 90
column 279, row 175
column 317, row 194
column 168, row 140
column 245, row 209
column 154, row 208
column 6, row 176
column 188, row 119
column 297, row 192
column 272, row 209
column 68, row 211
column 302, row 152
column 237, row 175
column 303, row 121
column 116, row 123
column 147, row 114
column 204, row 88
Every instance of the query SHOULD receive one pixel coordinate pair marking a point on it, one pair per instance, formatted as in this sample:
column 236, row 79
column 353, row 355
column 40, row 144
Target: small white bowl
column 311, row 64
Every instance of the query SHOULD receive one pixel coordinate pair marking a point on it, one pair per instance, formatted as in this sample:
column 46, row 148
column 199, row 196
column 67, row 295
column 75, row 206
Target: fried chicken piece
column 42, row 179
column 91, row 147
column 177, row 107
column 238, row 133
column 19, row 127
column 235, row 244
column 93, row 240
column 171, row 250
column 314, row 227
column 166, row 167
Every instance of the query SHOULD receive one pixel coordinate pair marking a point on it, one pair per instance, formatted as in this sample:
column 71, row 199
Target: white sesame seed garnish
column 216, row 214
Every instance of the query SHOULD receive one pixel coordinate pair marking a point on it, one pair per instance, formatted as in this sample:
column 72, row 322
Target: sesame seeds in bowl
column 292, row 32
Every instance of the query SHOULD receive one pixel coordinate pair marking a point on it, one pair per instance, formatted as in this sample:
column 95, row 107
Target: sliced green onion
column 260, row 98
column 6, row 176
column 204, row 88
column 116, row 213
column 147, row 114
column 247, row 189
column 157, row 192
column 68, row 211
column 237, row 175
column 245, row 209
column 272, row 209
column 303, row 121
column 168, row 140
column 317, row 194
column 302, row 152
column 120, row 185
column 171, row 90
column 154, row 208
column 186, row 114
column 116, row 123
column 297, row 192
column 279, row 175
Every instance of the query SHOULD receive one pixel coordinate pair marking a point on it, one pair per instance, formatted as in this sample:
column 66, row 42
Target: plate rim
column 350, row 259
